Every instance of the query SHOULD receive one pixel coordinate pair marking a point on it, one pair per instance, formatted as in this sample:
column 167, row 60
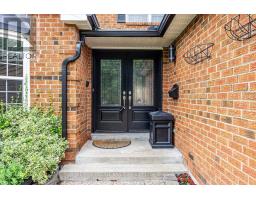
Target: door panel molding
column 110, row 115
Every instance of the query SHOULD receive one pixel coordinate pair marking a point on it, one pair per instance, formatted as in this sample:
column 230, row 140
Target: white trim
column 26, row 76
column 149, row 18
column 26, row 67
column 80, row 20
column 11, row 78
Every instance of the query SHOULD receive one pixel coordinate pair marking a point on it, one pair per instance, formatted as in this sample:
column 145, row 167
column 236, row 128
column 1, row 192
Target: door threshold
column 124, row 135
column 120, row 132
column 109, row 132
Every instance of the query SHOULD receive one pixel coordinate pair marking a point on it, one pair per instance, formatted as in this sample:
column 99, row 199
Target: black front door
column 127, row 86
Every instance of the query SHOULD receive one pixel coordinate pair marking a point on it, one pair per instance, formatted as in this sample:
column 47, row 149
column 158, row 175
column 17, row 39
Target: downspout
column 64, row 68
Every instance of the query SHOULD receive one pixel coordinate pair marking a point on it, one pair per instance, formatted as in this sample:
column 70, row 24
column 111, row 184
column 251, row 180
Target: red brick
column 249, row 171
column 241, row 105
column 240, row 140
column 253, row 86
column 249, row 115
column 247, row 77
column 241, row 87
column 249, row 152
column 235, row 146
column 241, row 69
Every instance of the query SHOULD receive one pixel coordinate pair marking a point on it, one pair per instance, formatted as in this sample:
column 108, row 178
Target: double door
column 127, row 86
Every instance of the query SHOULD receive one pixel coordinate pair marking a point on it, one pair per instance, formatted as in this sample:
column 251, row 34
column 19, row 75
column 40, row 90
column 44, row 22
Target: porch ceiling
column 178, row 24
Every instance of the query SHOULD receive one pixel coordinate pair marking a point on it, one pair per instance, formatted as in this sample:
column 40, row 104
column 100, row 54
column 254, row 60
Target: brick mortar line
column 228, row 108
column 234, row 100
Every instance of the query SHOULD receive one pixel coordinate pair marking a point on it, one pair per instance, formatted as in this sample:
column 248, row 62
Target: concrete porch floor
column 135, row 164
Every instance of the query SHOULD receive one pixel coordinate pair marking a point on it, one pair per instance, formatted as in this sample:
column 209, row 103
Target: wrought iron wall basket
column 198, row 53
column 241, row 27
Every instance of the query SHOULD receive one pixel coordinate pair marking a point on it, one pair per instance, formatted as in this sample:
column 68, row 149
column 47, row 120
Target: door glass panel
column 110, row 82
column 143, row 82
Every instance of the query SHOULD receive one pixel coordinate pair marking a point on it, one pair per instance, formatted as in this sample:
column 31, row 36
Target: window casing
column 13, row 72
column 142, row 18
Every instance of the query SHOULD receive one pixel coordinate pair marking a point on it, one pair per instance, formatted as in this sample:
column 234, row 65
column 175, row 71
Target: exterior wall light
column 172, row 53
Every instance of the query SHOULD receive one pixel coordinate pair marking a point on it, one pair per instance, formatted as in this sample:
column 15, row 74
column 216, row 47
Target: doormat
column 111, row 144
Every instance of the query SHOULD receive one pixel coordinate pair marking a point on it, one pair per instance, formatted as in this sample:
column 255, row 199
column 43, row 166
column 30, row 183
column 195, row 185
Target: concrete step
column 113, row 182
column 139, row 152
column 135, row 164
column 172, row 159
column 92, row 173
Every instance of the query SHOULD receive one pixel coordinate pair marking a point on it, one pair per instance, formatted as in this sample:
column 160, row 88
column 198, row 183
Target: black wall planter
column 241, row 27
column 198, row 53
column 174, row 91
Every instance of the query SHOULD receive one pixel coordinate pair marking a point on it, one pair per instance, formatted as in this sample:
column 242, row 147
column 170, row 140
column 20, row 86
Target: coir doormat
column 111, row 144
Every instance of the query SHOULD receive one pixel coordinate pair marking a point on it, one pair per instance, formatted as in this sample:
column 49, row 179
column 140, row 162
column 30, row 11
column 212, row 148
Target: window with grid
column 11, row 71
column 144, row 18
column 157, row 17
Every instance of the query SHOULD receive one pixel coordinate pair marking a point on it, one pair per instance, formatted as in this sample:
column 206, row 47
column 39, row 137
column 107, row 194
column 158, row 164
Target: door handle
column 130, row 100
column 124, row 99
column 124, row 102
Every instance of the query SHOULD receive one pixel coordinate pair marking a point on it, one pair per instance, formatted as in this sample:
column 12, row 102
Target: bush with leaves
column 31, row 138
column 11, row 174
column 21, row 121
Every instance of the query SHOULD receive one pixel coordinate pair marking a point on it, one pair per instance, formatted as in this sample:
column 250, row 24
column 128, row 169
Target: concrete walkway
column 135, row 164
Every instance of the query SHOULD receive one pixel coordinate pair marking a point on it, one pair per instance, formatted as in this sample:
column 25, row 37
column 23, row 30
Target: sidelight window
column 110, row 82
column 143, row 82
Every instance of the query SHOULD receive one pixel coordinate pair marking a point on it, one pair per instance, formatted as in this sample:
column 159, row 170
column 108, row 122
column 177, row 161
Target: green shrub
column 32, row 139
column 12, row 174
column 20, row 121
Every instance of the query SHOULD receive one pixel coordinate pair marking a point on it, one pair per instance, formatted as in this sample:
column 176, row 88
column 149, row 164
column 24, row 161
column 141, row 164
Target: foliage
column 184, row 179
column 31, row 138
column 21, row 121
column 12, row 174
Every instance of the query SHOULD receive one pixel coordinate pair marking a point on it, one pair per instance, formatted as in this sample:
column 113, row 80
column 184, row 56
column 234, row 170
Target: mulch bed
column 184, row 179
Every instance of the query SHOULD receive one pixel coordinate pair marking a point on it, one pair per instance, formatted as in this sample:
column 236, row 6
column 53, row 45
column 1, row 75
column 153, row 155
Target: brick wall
column 55, row 41
column 109, row 21
column 79, row 103
column 216, row 112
